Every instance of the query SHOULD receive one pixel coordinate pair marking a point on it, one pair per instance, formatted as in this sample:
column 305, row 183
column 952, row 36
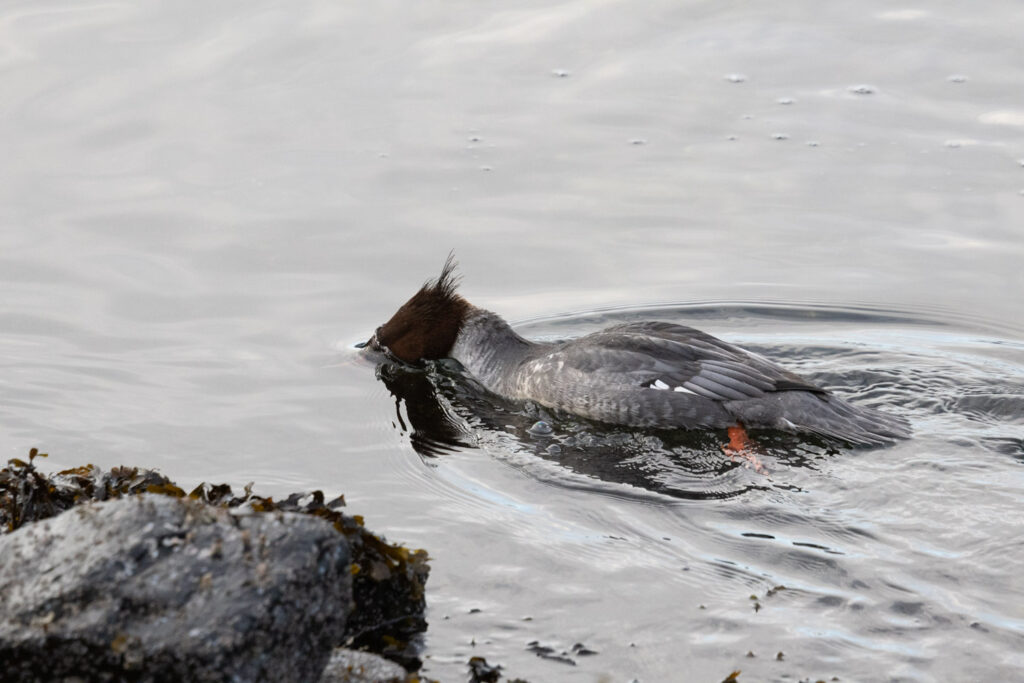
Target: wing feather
column 642, row 354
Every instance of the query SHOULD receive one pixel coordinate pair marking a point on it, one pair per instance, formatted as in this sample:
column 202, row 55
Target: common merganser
column 643, row 374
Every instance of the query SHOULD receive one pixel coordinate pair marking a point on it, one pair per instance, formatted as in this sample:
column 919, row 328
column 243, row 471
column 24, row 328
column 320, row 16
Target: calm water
column 203, row 207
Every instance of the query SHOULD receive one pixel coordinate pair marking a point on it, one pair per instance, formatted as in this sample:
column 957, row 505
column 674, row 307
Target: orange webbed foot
column 741, row 446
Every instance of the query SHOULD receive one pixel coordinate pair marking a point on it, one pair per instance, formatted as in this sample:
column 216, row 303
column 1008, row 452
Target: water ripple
column 896, row 549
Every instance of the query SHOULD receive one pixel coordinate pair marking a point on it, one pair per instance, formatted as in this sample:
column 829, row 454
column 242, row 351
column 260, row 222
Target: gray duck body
column 660, row 375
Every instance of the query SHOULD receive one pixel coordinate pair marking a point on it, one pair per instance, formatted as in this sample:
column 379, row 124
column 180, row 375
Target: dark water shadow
column 444, row 410
column 944, row 380
column 434, row 430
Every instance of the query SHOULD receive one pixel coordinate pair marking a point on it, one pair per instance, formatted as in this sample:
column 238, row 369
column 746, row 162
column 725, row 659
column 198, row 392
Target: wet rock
column 352, row 666
column 388, row 581
column 156, row 587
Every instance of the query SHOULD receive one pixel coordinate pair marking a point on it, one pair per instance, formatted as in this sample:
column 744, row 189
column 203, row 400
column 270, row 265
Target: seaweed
column 546, row 652
column 388, row 581
column 482, row 672
column 26, row 495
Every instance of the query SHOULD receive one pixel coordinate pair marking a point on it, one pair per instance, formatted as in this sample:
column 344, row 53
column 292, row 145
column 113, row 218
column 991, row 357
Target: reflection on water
column 446, row 409
column 434, row 429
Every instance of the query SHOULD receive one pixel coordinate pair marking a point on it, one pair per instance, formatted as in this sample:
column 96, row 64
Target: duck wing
column 719, row 384
column 667, row 356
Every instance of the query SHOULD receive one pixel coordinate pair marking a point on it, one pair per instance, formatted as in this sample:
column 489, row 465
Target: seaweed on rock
column 388, row 581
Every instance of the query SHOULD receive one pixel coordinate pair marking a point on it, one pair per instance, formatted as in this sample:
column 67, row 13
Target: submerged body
column 646, row 374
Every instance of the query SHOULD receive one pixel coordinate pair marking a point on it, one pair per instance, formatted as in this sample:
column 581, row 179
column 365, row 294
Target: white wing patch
column 661, row 386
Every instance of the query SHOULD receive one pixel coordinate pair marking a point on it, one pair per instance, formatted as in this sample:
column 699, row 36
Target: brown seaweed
column 388, row 581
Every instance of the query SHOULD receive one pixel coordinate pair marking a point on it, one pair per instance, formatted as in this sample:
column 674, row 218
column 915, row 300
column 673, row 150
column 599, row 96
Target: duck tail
column 835, row 418
column 828, row 416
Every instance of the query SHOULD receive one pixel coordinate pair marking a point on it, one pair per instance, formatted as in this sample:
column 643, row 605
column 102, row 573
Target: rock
column 353, row 666
column 388, row 581
column 154, row 588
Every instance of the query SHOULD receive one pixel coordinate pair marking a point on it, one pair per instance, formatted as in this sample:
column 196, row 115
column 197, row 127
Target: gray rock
column 154, row 588
column 352, row 666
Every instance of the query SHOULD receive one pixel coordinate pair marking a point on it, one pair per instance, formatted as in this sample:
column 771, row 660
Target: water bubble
column 863, row 89
column 735, row 78
column 560, row 73
column 957, row 78
column 540, row 428
column 785, row 100
column 780, row 136
column 554, row 449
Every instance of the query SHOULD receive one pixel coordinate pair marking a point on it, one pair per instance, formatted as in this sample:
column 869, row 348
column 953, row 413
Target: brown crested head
column 425, row 327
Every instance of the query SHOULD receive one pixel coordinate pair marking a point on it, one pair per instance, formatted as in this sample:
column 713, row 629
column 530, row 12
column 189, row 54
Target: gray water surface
column 203, row 206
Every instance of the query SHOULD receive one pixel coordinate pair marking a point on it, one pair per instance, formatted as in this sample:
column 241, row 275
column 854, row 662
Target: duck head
column 427, row 325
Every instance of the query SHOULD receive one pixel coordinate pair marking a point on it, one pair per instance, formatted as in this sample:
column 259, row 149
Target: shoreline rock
column 162, row 588
column 124, row 576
